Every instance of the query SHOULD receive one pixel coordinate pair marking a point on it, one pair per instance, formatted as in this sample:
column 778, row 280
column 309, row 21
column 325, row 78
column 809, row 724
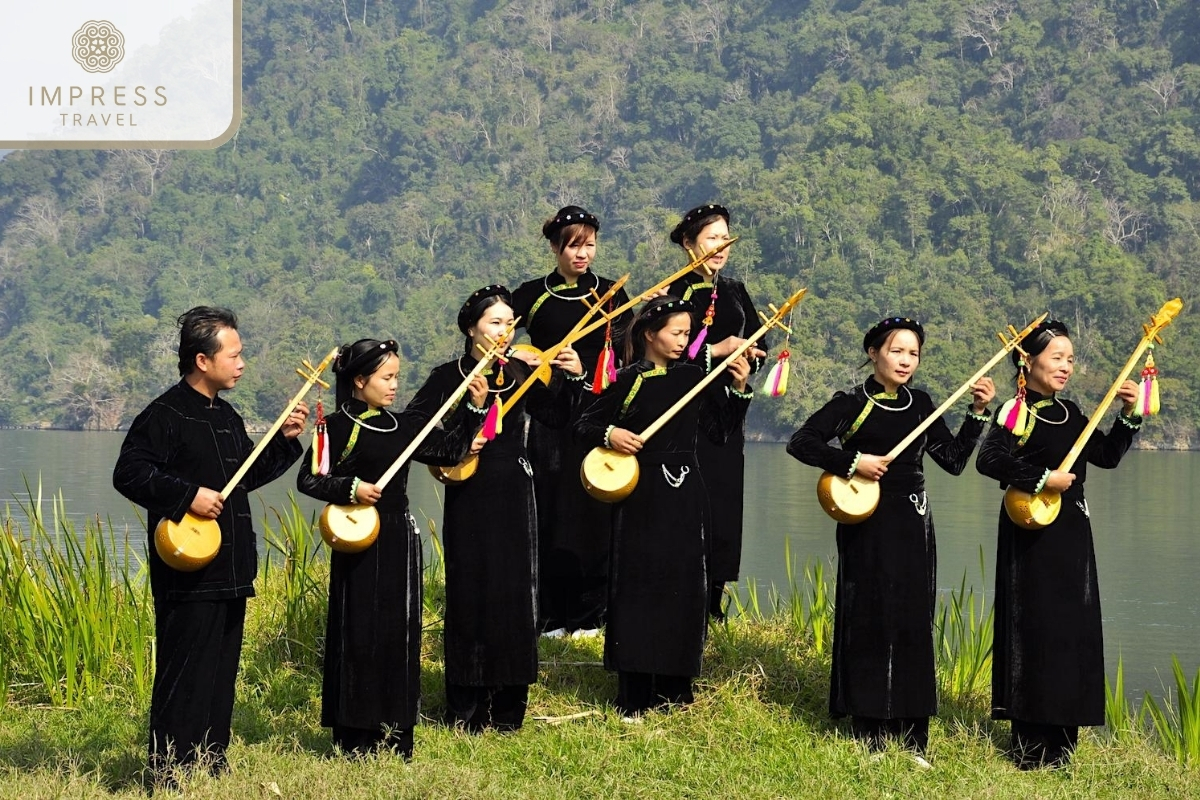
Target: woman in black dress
column 489, row 531
column 654, row 637
column 1048, row 651
column 724, row 315
column 883, row 673
column 372, row 677
column 572, row 526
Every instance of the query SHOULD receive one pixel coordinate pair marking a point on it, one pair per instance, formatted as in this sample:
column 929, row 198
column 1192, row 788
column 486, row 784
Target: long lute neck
column 274, row 429
column 454, row 397
column 663, row 284
column 951, row 400
column 549, row 353
column 653, row 427
column 1080, row 443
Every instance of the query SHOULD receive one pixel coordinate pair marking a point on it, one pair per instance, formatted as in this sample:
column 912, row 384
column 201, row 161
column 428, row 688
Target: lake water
column 1144, row 516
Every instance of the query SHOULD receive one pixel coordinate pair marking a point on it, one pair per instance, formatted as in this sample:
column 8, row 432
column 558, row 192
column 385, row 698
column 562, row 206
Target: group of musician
column 529, row 552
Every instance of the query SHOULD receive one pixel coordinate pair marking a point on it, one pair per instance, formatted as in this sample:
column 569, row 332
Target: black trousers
column 643, row 691
column 1035, row 744
column 479, row 707
column 911, row 732
column 195, row 669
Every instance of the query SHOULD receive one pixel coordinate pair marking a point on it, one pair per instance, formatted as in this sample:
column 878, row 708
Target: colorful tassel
column 606, row 364
column 708, row 320
column 492, row 425
column 606, row 369
column 320, row 445
column 1014, row 414
column 1148, row 403
column 777, row 378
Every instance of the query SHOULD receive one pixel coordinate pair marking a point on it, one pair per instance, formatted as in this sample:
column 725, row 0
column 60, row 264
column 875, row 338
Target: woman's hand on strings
column 1060, row 481
column 478, row 389
column 293, row 426
column 731, row 343
column 1128, row 392
column 981, row 394
column 477, row 444
column 530, row 357
column 625, row 441
column 368, row 493
column 871, row 467
column 568, row 361
column 739, row 368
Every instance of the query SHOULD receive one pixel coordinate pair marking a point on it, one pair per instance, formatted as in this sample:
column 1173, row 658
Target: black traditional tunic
column 372, row 673
column 489, row 534
column 179, row 443
column 572, row 526
column 883, row 660
column 723, row 465
column 1048, row 647
column 182, row 441
column 657, row 608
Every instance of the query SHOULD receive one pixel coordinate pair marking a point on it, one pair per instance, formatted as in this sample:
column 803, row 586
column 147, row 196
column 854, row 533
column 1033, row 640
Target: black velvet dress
column 658, row 583
column 489, row 535
column 883, row 659
column 572, row 527
column 372, row 674
column 723, row 465
column 1048, row 651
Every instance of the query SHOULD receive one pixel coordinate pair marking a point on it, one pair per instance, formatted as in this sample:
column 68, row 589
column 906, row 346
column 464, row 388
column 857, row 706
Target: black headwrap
column 475, row 305
column 654, row 310
column 1039, row 338
column 566, row 216
column 881, row 329
column 361, row 358
column 690, row 225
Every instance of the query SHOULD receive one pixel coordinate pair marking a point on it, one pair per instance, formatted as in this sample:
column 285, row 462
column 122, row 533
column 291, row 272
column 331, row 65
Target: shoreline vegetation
column 76, row 658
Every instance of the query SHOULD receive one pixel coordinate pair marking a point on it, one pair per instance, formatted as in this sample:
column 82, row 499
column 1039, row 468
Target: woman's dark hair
column 652, row 318
column 570, row 225
column 363, row 358
column 198, row 329
column 697, row 220
column 475, row 306
column 1039, row 338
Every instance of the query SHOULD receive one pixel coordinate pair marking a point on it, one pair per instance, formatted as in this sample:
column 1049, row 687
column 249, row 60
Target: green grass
column 759, row 727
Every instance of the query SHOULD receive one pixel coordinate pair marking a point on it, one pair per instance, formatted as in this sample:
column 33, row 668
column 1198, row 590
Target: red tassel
column 606, row 364
column 606, row 370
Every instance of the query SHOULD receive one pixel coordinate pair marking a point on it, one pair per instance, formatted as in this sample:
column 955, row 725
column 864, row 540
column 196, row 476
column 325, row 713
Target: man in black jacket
column 179, row 451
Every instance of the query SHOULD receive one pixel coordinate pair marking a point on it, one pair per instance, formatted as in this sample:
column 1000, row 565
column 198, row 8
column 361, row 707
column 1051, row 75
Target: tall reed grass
column 1178, row 725
column 963, row 640
column 79, row 625
column 78, row 619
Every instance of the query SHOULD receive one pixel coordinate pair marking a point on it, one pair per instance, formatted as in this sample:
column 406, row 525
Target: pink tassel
column 696, row 345
column 492, row 426
column 777, row 378
column 1014, row 416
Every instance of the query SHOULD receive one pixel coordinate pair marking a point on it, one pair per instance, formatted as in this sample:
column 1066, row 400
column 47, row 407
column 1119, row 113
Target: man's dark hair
column 198, row 329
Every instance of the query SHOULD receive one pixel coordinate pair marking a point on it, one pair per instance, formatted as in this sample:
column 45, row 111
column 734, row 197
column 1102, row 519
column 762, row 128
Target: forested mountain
column 969, row 162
